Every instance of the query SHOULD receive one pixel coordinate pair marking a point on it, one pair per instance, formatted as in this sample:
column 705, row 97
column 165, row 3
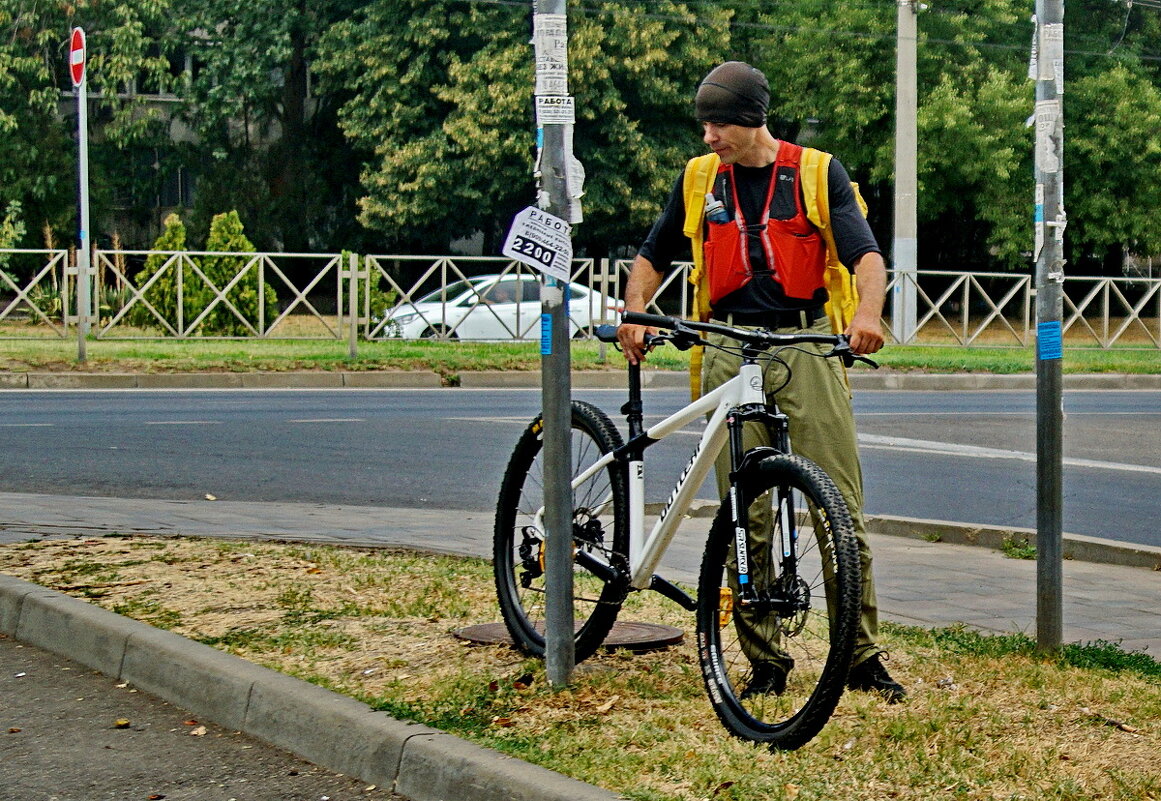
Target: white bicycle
column 798, row 588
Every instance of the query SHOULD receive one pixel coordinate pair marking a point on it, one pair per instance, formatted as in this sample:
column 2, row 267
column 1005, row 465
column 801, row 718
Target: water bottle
column 715, row 210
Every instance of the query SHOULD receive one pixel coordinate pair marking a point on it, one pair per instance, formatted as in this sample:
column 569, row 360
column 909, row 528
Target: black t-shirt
column 667, row 242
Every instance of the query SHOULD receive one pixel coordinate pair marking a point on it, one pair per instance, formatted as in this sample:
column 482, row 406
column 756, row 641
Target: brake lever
column 842, row 350
column 684, row 339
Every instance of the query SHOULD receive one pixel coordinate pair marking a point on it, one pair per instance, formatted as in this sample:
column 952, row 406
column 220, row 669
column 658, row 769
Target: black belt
column 772, row 319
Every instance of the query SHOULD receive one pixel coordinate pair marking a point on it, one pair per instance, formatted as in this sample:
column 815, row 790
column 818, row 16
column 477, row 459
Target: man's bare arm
column 643, row 283
column 866, row 330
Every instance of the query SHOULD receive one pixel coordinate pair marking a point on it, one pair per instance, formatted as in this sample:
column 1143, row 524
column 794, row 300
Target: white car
column 493, row 307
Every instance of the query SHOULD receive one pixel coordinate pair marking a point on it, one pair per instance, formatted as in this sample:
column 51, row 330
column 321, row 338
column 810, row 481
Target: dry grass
column 987, row 719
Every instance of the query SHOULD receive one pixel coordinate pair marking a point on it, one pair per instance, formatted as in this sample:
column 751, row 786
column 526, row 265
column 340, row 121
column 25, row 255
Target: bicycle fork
column 741, row 461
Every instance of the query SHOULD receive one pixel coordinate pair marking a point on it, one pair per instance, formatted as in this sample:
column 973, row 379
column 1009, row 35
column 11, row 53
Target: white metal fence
column 345, row 296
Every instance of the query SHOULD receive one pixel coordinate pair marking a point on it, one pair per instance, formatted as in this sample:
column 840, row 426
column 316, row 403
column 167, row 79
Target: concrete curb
column 1077, row 547
column 506, row 379
column 328, row 729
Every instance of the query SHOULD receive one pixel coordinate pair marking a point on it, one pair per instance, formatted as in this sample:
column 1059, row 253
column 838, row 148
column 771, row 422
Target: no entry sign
column 77, row 56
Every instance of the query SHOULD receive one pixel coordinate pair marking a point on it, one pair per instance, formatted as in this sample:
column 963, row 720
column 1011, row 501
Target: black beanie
column 733, row 93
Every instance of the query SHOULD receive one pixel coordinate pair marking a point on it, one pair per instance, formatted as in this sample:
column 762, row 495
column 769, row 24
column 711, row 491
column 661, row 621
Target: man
column 764, row 267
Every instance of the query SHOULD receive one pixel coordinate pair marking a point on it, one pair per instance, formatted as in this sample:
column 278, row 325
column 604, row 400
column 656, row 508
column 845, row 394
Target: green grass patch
column 1017, row 547
column 449, row 359
column 988, row 716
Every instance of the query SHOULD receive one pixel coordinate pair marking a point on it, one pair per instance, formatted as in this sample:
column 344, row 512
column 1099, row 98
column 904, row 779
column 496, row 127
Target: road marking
column 330, row 420
column 977, row 452
column 520, row 420
column 183, row 422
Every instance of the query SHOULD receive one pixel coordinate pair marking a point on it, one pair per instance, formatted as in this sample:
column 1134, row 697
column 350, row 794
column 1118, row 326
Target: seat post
column 634, row 408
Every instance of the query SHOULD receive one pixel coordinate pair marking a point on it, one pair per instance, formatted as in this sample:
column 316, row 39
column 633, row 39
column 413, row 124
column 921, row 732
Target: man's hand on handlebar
column 865, row 338
column 632, row 340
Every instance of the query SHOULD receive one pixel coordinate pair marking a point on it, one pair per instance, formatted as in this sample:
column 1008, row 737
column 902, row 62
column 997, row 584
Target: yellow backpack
column 700, row 174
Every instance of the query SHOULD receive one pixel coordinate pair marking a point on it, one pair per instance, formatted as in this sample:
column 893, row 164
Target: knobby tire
column 821, row 643
column 600, row 520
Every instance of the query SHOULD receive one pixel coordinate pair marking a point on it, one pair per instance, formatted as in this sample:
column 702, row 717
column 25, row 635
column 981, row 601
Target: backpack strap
column 840, row 285
column 700, row 174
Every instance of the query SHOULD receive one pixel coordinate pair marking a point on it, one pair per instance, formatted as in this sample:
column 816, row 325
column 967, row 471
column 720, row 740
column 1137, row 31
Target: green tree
column 161, row 282
column 1111, row 160
column 37, row 151
column 269, row 144
column 444, row 107
column 11, row 230
column 248, row 304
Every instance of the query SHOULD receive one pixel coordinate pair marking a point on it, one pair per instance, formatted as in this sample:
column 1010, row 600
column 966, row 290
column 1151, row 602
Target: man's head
column 733, row 93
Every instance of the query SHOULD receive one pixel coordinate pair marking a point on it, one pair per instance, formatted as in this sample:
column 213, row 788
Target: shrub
column 162, row 294
column 251, row 302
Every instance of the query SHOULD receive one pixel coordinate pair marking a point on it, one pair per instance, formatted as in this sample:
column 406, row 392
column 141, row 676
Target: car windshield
column 452, row 291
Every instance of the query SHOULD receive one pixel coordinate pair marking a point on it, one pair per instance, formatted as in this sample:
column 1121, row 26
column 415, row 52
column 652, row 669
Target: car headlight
column 404, row 319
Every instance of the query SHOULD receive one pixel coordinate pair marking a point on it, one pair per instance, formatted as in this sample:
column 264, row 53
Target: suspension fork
column 740, row 463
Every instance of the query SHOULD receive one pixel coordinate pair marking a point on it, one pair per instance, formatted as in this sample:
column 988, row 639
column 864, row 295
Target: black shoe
column 870, row 675
column 767, row 678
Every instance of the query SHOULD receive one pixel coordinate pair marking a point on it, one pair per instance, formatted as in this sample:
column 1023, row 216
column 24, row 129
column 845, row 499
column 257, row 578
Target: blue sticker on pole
column 546, row 335
column 1049, row 341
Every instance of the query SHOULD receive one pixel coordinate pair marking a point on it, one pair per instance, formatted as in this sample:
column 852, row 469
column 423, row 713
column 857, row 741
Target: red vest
column 794, row 249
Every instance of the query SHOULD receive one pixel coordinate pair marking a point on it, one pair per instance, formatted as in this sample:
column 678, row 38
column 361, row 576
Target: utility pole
column 1047, row 69
column 905, row 250
column 554, row 127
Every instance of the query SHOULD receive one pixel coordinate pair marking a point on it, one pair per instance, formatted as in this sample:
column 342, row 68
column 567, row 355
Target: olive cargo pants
column 822, row 429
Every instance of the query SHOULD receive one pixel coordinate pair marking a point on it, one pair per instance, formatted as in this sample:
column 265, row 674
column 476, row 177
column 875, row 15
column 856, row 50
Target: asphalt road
column 72, row 734
column 962, row 456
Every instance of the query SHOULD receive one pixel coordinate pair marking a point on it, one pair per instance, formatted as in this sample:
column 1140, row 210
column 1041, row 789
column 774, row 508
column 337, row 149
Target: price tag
column 541, row 240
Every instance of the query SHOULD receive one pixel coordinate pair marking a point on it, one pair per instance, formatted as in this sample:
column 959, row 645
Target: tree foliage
column 239, row 301
column 268, row 145
column 404, row 125
column 243, row 306
column 159, row 280
column 444, row 106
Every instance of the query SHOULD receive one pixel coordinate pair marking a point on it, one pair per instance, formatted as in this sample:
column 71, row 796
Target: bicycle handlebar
column 684, row 335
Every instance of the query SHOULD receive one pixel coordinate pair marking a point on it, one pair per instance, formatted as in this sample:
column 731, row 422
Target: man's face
column 731, row 142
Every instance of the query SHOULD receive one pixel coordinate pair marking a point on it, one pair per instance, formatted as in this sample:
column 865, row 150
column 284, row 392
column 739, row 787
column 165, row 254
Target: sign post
column 1047, row 69
column 77, row 59
column 555, row 115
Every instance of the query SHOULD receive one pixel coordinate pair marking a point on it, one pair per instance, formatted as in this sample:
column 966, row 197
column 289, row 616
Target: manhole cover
column 631, row 635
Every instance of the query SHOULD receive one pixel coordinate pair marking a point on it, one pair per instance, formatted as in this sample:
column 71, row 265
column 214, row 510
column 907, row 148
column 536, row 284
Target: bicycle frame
column 743, row 390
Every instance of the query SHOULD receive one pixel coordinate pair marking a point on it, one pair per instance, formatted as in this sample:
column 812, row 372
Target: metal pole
column 1048, row 71
column 550, row 37
column 905, row 251
column 353, row 307
column 83, row 248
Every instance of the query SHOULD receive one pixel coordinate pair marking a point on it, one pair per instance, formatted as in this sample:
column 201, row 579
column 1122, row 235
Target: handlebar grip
column 606, row 333
column 651, row 320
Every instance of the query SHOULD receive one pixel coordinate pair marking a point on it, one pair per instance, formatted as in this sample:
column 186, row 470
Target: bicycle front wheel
column 776, row 664
column 599, row 530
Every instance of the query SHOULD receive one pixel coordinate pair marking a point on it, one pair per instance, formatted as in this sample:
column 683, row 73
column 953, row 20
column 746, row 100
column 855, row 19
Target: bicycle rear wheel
column 599, row 528
column 805, row 618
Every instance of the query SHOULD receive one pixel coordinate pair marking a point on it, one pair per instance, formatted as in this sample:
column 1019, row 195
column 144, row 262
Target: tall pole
column 905, row 251
column 78, row 56
column 1048, row 70
column 550, row 38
